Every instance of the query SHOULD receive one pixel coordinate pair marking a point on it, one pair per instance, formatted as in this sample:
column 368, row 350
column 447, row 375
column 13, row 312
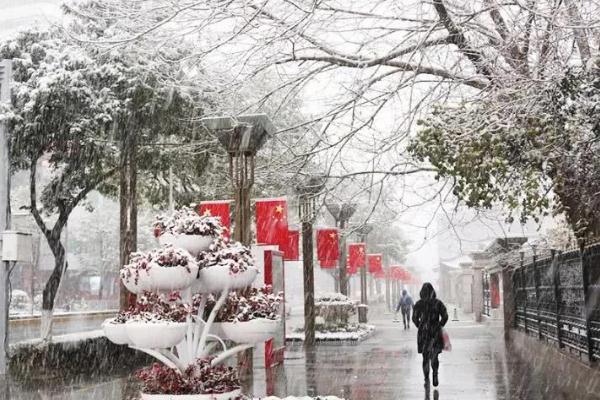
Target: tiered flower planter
column 194, row 259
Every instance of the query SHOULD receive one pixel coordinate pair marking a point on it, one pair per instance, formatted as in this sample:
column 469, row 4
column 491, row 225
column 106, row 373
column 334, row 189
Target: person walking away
column 430, row 316
column 405, row 305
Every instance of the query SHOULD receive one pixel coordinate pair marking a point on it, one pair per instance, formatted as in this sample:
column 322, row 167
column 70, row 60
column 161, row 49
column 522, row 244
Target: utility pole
column 341, row 213
column 5, row 78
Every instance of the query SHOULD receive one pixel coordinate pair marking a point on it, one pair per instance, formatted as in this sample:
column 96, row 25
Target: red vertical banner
column 328, row 248
column 220, row 209
column 357, row 255
column 328, row 264
column 272, row 222
column 291, row 252
column 379, row 274
column 350, row 270
column 374, row 261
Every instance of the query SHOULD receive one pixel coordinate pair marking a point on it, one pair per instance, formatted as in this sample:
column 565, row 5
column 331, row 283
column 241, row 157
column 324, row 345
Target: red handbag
column 446, row 338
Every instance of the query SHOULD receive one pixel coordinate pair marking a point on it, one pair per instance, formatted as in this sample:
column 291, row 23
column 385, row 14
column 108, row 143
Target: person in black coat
column 430, row 316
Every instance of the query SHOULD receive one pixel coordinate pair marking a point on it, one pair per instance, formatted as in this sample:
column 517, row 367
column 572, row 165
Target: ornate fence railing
column 487, row 295
column 557, row 300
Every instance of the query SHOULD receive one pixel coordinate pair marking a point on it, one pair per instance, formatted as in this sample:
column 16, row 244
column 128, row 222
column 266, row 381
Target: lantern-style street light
column 242, row 137
column 341, row 213
column 308, row 193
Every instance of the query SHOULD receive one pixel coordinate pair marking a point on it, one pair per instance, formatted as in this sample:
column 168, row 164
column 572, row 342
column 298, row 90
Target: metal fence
column 487, row 295
column 557, row 299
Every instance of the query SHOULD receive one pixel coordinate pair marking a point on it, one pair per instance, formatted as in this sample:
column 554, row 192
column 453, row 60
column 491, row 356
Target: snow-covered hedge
column 334, row 310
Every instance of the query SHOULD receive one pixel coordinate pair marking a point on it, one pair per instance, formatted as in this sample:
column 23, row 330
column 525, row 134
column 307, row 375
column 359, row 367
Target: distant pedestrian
column 405, row 305
column 430, row 316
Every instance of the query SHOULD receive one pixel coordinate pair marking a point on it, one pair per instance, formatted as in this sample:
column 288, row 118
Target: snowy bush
column 198, row 378
column 187, row 221
column 334, row 309
column 167, row 256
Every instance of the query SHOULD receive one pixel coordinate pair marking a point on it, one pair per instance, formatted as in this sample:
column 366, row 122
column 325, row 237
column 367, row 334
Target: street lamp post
column 308, row 192
column 363, row 232
column 341, row 213
column 242, row 137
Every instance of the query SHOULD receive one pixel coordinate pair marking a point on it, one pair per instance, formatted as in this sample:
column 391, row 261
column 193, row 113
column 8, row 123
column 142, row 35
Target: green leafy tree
column 533, row 149
column 62, row 109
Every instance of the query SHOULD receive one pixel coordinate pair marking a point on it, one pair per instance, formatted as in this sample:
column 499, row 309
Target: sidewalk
column 387, row 366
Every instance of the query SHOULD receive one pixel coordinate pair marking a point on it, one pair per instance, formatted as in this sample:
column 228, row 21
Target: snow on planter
column 166, row 268
column 115, row 331
column 253, row 331
column 155, row 334
column 188, row 230
column 225, row 266
column 157, row 314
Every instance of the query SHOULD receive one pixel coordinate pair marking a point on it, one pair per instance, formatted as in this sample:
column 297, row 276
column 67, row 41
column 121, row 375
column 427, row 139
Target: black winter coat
column 430, row 316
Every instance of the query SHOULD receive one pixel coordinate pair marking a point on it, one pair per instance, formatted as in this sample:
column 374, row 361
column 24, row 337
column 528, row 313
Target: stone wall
column 557, row 372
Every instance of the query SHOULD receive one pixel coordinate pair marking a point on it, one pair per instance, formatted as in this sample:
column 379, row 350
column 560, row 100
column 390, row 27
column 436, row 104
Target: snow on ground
column 66, row 338
column 363, row 332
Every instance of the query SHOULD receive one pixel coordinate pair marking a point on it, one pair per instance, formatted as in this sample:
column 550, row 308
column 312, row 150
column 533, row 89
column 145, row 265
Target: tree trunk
column 128, row 210
column 51, row 288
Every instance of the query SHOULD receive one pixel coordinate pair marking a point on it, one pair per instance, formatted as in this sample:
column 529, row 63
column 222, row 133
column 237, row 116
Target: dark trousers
column 430, row 358
column 406, row 318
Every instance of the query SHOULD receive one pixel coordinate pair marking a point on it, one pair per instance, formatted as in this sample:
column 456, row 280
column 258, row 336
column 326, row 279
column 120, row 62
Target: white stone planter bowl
column 116, row 333
column 194, row 244
column 217, row 278
column 155, row 335
column 251, row 332
column 223, row 396
column 144, row 282
column 171, row 278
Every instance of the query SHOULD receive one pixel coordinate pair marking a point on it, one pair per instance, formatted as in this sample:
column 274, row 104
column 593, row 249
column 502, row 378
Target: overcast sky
column 22, row 14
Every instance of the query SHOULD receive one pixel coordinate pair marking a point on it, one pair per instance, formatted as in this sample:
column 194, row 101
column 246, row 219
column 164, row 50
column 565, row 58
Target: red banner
column 291, row 252
column 374, row 261
column 379, row 275
column 218, row 209
column 328, row 264
column 328, row 244
column 400, row 274
column 272, row 222
column 357, row 255
column 350, row 270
